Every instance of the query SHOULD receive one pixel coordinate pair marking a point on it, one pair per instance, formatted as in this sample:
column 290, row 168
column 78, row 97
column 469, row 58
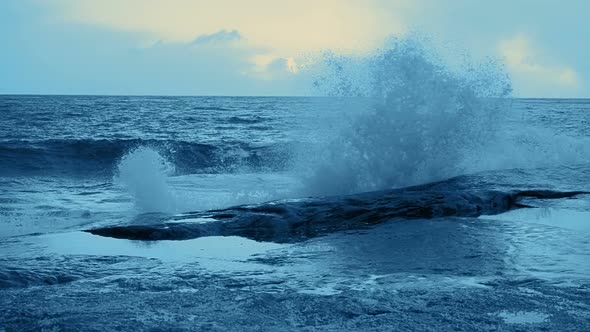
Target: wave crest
column 88, row 157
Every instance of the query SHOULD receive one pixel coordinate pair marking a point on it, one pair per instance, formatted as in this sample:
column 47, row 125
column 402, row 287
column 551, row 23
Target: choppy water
column 69, row 164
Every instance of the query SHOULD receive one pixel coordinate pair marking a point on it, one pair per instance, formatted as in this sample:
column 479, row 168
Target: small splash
column 144, row 173
column 151, row 180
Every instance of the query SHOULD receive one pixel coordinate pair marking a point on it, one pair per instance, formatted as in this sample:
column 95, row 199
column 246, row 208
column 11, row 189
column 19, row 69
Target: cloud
column 274, row 36
column 218, row 63
column 249, row 61
column 50, row 57
column 526, row 64
column 288, row 28
column 220, row 37
column 268, row 68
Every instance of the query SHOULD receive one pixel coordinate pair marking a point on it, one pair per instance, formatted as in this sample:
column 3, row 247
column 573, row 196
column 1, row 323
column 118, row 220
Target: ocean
column 294, row 213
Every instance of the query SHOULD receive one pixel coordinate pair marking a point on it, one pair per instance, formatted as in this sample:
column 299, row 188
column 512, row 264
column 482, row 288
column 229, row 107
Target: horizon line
column 218, row 96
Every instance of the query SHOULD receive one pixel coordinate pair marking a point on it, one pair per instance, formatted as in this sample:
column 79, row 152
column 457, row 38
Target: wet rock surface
column 291, row 221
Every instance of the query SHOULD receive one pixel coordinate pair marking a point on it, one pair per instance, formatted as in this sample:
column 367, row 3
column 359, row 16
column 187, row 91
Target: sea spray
column 144, row 172
column 424, row 121
column 152, row 182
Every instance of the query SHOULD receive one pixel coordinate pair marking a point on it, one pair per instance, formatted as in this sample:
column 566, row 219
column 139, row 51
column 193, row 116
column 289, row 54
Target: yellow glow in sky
column 282, row 28
column 521, row 57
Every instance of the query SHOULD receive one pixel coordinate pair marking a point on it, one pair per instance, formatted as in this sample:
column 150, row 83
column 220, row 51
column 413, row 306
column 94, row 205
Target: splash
column 424, row 120
column 153, row 183
column 144, row 173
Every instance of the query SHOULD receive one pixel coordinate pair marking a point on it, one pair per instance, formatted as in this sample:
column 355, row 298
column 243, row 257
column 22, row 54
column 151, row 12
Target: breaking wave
column 424, row 122
column 87, row 157
column 420, row 121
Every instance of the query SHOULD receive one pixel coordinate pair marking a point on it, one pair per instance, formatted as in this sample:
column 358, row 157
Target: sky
column 271, row 47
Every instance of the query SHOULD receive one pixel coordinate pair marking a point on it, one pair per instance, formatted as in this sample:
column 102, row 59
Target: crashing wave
column 428, row 121
column 100, row 157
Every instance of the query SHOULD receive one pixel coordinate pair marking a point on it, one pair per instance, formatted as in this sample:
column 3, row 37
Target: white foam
column 564, row 218
column 144, row 173
column 191, row 220
column 148, row 177
column 523, row 317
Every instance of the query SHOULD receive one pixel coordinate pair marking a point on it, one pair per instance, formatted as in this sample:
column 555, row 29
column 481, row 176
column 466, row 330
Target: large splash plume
column 425, row 120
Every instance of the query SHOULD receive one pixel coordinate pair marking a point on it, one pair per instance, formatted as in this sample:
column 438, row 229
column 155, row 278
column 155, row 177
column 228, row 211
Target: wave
column 12, row 277
column 88, row 157
column 428, row 120
column 59, row 271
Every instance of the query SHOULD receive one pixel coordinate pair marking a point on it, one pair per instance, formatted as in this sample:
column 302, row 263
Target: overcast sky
column 265, row 47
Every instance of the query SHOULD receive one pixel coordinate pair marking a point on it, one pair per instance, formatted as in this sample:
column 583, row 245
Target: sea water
column 74, row 163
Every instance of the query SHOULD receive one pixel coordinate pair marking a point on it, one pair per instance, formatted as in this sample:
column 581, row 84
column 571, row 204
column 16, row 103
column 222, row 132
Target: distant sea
column 75, row 163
